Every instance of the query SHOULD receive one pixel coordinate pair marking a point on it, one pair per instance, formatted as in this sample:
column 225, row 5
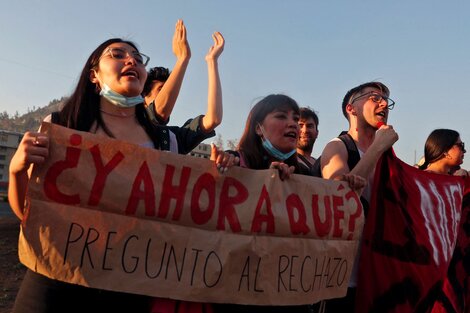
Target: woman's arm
column 214, row 112
column 33, row 149
column 166, row 98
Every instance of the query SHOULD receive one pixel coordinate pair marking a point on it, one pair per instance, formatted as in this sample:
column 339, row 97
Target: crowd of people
column 117, row 97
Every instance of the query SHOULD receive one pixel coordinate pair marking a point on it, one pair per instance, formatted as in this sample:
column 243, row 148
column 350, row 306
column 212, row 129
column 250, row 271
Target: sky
column 313, row 51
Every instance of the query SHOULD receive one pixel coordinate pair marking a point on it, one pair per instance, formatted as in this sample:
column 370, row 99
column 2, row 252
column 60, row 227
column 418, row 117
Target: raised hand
column 180, row 43
column 385, row 137
column 216, row 49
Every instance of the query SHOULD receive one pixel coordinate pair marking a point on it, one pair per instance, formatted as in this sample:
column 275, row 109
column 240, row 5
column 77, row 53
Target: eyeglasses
column 120, row 54
column 377, row 98
column 461, row 145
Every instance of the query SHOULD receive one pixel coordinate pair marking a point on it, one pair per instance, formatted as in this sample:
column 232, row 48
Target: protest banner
column 454, row 294
column 112, row 215
column 409, row 238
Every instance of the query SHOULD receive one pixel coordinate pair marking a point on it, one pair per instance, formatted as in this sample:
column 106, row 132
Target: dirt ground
column 11, row 270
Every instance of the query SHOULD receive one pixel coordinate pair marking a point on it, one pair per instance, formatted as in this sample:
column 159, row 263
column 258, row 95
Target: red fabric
column 161, row 305
column 454, row 296
column 409, row 238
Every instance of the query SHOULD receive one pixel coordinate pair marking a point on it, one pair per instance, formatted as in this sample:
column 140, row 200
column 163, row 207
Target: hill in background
column 30, row 120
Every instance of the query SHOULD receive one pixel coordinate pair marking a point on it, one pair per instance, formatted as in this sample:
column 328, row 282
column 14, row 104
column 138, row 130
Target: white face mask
column 118, row 99
column 272, row 150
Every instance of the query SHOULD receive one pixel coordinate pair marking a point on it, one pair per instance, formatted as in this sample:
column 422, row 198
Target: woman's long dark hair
column 250, row 144
column 82, row 109
column 438, row 143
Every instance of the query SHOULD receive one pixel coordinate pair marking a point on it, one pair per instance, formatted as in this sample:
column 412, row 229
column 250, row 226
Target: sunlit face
column 308, row 134
column 125, row 76
column 281, row 128
column 456, row 153
column 368, row 110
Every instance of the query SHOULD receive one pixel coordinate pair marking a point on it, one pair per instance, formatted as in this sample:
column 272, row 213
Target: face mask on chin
column 273, row 151
column 118, row 99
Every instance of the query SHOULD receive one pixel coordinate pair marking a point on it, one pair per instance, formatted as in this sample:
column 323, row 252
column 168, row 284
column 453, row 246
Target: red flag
column 409, row 238
column 454, row 296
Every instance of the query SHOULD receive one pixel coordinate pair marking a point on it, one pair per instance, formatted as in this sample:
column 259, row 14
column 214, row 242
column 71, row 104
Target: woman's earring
column 97, row 88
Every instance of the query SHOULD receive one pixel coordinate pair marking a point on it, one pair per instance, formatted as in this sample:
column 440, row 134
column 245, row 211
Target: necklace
column 122, row 115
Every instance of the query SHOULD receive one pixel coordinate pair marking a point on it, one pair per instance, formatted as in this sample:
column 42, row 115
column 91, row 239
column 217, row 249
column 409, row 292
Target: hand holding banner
column 111, row 215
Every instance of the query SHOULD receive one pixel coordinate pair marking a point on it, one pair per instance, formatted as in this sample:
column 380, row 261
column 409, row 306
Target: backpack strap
column 305, row 160
column 316, row 168
column 353, row 158
column 353, row 152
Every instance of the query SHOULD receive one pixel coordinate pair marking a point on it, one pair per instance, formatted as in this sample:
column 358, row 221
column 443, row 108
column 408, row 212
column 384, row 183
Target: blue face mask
column 118, row 99
column 273, row 151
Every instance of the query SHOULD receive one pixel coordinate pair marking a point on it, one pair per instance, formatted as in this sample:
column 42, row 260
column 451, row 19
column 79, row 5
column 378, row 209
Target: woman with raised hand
column 106, row 101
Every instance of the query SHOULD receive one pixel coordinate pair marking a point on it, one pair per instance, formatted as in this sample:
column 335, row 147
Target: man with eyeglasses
column 366, row 107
